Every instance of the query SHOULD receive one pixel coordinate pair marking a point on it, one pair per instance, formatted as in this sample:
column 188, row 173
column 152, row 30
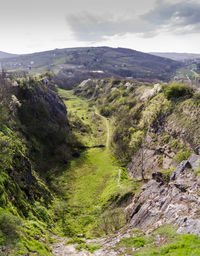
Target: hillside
column 7, row 55
column 35, row 138
column 73, row 65
column 150, row 136
column 109, row 168
column 176, row 56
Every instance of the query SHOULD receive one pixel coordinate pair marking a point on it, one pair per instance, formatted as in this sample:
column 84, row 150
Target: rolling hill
column 7, row 55
column 177, row 56
column 102, row 61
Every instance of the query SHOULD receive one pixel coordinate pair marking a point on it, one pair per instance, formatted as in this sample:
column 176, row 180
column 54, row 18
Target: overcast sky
column 146, row 25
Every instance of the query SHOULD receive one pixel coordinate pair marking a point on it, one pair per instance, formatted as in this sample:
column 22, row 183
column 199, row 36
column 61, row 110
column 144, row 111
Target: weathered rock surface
column 176, row 202
column 61, row 249
column 194, row 161
column 180, row 169
column 107, row 245
column 153, row 158
column 149, row 93
column 89, row 82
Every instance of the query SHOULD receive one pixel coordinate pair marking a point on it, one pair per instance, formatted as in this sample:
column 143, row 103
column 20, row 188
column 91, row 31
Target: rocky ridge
column 175, row 202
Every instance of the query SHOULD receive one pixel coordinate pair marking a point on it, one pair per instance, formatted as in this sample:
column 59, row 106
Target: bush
column 89, row 247
column 136, row 140
column 183, row 155
column 167, row 231
column 75, row 240
column 177, row 90
column 138, row 241
column 167, row 173
column 112, row 221
column 114, row 95
column 42, row 213
column 9, row 227
column 105, row 111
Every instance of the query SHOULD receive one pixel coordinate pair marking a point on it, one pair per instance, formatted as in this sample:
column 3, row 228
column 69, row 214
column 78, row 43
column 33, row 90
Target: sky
column 28, row 26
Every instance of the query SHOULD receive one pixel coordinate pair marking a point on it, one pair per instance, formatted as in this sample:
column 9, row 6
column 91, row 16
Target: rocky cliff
column 43, row 121
column 175, row 201
column 154, row 126
column 156, row 131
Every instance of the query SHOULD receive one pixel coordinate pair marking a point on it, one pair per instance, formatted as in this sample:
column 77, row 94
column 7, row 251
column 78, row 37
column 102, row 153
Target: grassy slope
column 91, row 132
column 163, row 241
column 92, row 179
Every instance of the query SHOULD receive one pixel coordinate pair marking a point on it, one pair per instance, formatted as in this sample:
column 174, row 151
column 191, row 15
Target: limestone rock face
column 194, row 161
column 150, row 156
column 149, row 93
column 180, row 169
column 86, row 82
column 176, row 202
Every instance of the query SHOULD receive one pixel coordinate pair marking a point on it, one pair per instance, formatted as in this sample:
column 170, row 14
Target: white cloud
column 28, row 25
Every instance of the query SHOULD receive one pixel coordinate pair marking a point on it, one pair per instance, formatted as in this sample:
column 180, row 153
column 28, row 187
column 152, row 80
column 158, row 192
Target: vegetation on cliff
column 147, row 118
column 57, row 173
column 34, row 132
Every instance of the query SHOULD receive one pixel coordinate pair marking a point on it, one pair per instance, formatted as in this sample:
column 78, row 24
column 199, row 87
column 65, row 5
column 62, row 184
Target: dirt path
column 107, row 127
column 107, row 245
column 61, row 249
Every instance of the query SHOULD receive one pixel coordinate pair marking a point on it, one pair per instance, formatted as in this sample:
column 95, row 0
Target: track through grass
column 92, row 179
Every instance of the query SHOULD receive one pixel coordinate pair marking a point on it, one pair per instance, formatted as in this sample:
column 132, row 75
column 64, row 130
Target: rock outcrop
column 175, row 202
column 43, row 118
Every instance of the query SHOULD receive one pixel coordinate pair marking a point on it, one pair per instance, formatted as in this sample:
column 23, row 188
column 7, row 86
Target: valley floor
column 90, row 183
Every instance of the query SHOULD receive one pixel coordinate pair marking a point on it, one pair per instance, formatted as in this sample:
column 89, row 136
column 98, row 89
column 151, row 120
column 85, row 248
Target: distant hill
column 6, row 55
column 102, row 61
column 176, row 56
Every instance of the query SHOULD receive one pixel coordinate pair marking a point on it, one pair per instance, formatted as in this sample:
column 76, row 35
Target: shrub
column 196, row 97
column 136, row 140
column 42, row 213
column 177, row 90
column 75, row 240
column 167, row 173
column 112, row 221
column 89, row 247
column 183, row 155
column 167, row 231
column 105, row 111
column 10, row 227
column 138, row 241
column 114, row 95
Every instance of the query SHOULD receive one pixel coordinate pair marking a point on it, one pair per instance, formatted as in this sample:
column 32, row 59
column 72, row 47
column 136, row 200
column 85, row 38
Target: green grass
column 75, row 104
column 89, row 247
column 171, row 243
column 23, row 237
column 85, row 181
column 138, row 241
column 167, row 231
column 91, row 182
column 91, row 177
column 75, row 240
column 186, row 245
column 87, row 126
